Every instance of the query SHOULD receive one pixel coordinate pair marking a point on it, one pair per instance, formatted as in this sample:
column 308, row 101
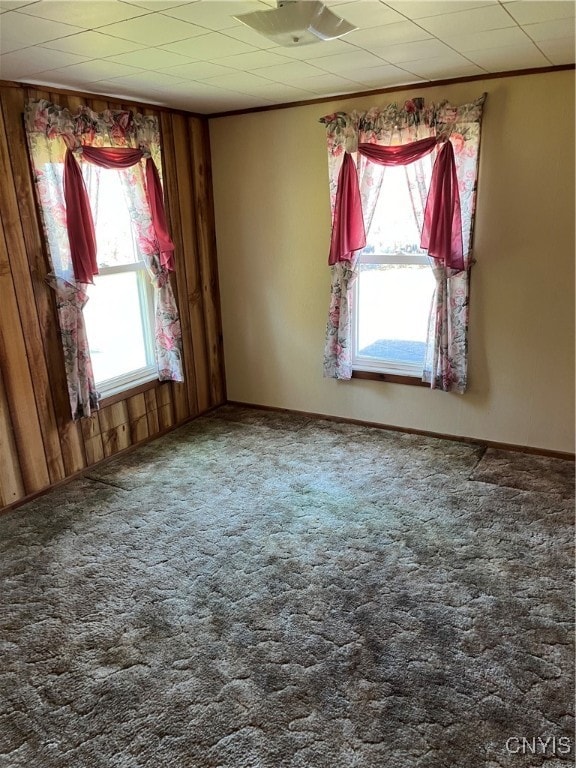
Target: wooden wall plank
column 25, row 247
column 18, row 378
column 185, row 402
column 167, row 415
column 100, row 105
column 199, row 140
column 137, row 418
column 94, row 448
column 193, row 284
column 73, row 103
column 92, row 437
column 11, row 485
column 113, row 416
column 115, row 427
column 152, row 412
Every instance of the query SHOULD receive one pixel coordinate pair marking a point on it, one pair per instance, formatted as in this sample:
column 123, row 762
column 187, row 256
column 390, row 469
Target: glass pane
column 112, row 223
column 393, row 309
column 114, row 325
column 395, row 228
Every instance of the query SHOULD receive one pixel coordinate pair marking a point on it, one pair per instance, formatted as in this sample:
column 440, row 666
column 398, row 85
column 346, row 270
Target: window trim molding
column 390, row 378
column 126, row 394
column 120, row 384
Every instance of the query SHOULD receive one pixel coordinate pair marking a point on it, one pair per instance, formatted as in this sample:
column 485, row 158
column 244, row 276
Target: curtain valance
column 442, row 228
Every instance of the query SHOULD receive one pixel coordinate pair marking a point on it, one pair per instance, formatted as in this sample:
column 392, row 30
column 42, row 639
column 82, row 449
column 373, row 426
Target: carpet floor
column 263, row 590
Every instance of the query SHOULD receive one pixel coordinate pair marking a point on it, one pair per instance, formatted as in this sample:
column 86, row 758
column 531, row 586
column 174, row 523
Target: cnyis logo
column 539, row 745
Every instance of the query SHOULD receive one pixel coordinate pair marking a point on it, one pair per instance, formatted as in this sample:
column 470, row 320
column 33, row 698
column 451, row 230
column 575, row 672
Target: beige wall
column 273, row 229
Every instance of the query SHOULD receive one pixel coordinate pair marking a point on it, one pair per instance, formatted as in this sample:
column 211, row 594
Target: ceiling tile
column 384, row 76
column 418, row 9
column 316, row 50
column 197, row 70
column 205, row 99
column 346, row 63
column 156, row 5
column 248, row 61
column 389, row 34
column 182, row 90
column 244, row 82
column 443, row 67
column 93, row 44
column 246, row 35
column 150, row 58
column 513, row 57
column 87, row 72
column 559, row 51
column 536, row 11
column 550, row 30
column 21, row 31
column 210, row 46
column 214, row 15
column 119, row 92
column 277, row 93
column 493, row 38
column 22, row 63
column 84, row 14
column 287, row 73
column 92, row 71
column 466, row 22
column 328, row 82
column 396, row 54
column 153, row 29
column 367, row 13
column 149, row 79
column 12, row 5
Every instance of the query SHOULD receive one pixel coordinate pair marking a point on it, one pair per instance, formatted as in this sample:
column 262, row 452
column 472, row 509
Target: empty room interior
column 287, row 383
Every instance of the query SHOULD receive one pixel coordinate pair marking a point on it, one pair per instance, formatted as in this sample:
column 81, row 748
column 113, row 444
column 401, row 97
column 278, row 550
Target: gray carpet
column 259, row 590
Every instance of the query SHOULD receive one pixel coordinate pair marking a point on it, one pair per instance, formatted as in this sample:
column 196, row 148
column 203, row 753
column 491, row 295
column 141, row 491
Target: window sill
column 128, row 392
column 390, row 378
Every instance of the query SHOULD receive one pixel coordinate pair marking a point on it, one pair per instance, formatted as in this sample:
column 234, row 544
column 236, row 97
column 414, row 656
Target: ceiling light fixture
column 297, row 22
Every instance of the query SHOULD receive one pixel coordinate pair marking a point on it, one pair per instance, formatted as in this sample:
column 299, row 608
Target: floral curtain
column 51, row 131
column 337, row 353
column 446, row 352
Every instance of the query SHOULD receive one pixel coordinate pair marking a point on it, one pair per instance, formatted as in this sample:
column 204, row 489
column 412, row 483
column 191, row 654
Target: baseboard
column 409, row 430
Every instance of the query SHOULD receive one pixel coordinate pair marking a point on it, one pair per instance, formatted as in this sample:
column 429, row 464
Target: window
column 393, row 294
column 100, row 265
column 119, row 314
column 368, row 192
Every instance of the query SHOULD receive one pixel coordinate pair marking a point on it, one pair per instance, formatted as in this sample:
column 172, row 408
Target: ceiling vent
column 297, row 22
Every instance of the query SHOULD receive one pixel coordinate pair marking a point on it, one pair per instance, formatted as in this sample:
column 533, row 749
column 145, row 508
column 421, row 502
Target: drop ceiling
column 195, row 56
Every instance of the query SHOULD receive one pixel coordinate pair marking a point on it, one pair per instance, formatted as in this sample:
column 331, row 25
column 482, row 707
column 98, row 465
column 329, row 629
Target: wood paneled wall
column 39, row 443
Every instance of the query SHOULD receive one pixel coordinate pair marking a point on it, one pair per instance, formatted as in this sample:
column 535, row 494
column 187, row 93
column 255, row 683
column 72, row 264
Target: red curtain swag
column 442, row 230
column 79, row 221
column 348, row 234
